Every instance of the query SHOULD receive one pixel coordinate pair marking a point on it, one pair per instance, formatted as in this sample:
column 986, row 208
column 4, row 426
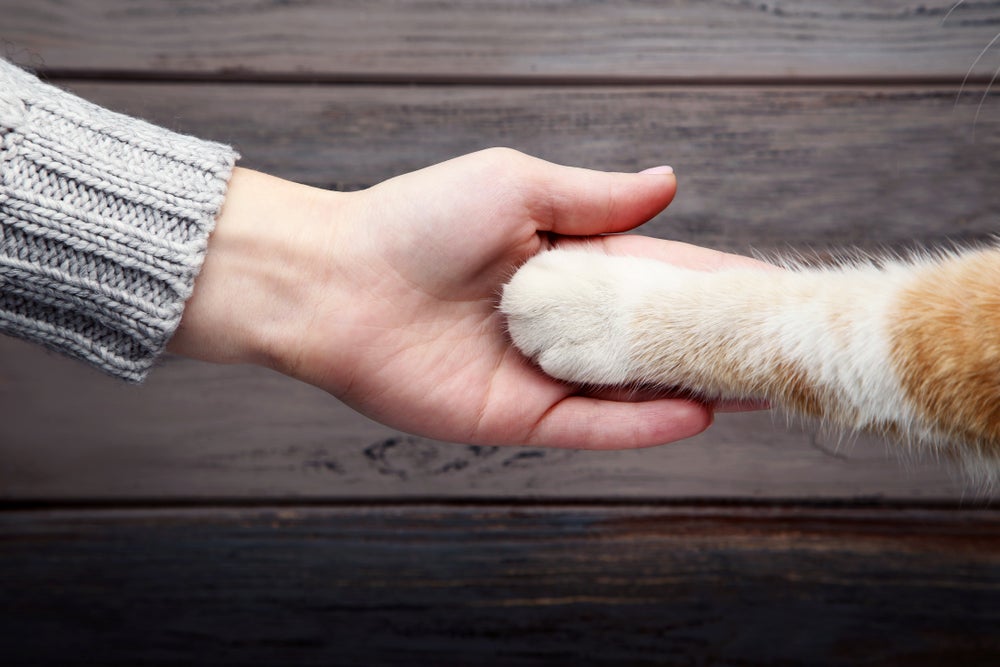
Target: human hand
column 387, row 297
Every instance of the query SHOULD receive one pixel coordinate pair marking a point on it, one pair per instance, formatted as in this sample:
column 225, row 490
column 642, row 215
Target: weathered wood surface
column 203, row 431
column 427, row 39
column 500, row 585
column 758, row 167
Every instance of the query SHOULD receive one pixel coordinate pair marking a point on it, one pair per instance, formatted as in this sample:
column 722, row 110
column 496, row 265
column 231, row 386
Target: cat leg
column 812, row 341
column 905, row 348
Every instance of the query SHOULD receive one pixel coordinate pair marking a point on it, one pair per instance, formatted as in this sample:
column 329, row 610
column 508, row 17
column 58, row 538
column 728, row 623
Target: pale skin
column 386, row 298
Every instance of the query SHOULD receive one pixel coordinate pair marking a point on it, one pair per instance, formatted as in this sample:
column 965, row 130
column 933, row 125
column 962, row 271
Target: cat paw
column 569, row 310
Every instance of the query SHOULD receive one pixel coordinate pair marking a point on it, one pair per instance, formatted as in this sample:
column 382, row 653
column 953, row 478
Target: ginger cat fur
column 906, row 348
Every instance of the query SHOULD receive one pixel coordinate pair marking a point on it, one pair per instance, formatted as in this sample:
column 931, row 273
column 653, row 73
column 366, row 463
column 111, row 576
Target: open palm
column 418, row 343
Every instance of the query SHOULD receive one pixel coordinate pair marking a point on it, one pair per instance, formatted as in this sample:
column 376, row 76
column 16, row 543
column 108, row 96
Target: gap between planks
column 238, row 77
column 790, row 507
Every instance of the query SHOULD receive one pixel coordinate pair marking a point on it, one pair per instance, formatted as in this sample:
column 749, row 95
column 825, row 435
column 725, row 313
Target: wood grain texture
column 499, row 585
column 758, row 167
column 490, row 39
column 198, row 431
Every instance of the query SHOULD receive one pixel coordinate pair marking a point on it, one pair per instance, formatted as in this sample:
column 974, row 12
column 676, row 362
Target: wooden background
column 232, row 516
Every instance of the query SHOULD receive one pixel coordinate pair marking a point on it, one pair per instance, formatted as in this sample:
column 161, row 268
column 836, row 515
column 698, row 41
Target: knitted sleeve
column 104, row 223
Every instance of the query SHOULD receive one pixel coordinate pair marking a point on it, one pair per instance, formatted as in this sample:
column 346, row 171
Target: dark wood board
column 758, row 167
column 500, row 585
column 498, row 39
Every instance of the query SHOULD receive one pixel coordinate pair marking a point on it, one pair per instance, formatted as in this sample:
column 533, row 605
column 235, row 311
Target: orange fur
column 946, row 348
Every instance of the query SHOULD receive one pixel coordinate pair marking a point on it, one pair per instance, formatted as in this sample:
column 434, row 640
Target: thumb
column 582, row 202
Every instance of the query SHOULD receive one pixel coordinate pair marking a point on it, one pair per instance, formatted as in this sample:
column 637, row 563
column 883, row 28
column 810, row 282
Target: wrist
column 247, row 304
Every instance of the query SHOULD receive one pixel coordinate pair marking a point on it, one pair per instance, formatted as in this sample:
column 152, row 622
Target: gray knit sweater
column 104, row 223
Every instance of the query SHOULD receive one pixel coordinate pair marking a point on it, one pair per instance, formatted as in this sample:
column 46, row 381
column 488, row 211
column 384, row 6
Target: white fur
column 571, row 312
column 586, row 317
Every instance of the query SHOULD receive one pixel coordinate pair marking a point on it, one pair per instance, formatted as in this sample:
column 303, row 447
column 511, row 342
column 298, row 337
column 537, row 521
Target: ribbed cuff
column 105, row 222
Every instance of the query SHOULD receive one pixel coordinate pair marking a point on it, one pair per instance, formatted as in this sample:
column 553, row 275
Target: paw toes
column 562, row 309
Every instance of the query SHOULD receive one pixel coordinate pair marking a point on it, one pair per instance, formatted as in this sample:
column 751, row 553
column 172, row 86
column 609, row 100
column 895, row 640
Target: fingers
column 581, row 202
column 581, row 422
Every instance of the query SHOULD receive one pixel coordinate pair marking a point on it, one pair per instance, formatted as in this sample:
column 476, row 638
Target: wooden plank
column 681, row 39
column 500, row 585
column 758, row 167
column 203, row 431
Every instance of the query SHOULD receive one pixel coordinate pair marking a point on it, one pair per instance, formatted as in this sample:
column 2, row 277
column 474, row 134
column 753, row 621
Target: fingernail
column 664, row 169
